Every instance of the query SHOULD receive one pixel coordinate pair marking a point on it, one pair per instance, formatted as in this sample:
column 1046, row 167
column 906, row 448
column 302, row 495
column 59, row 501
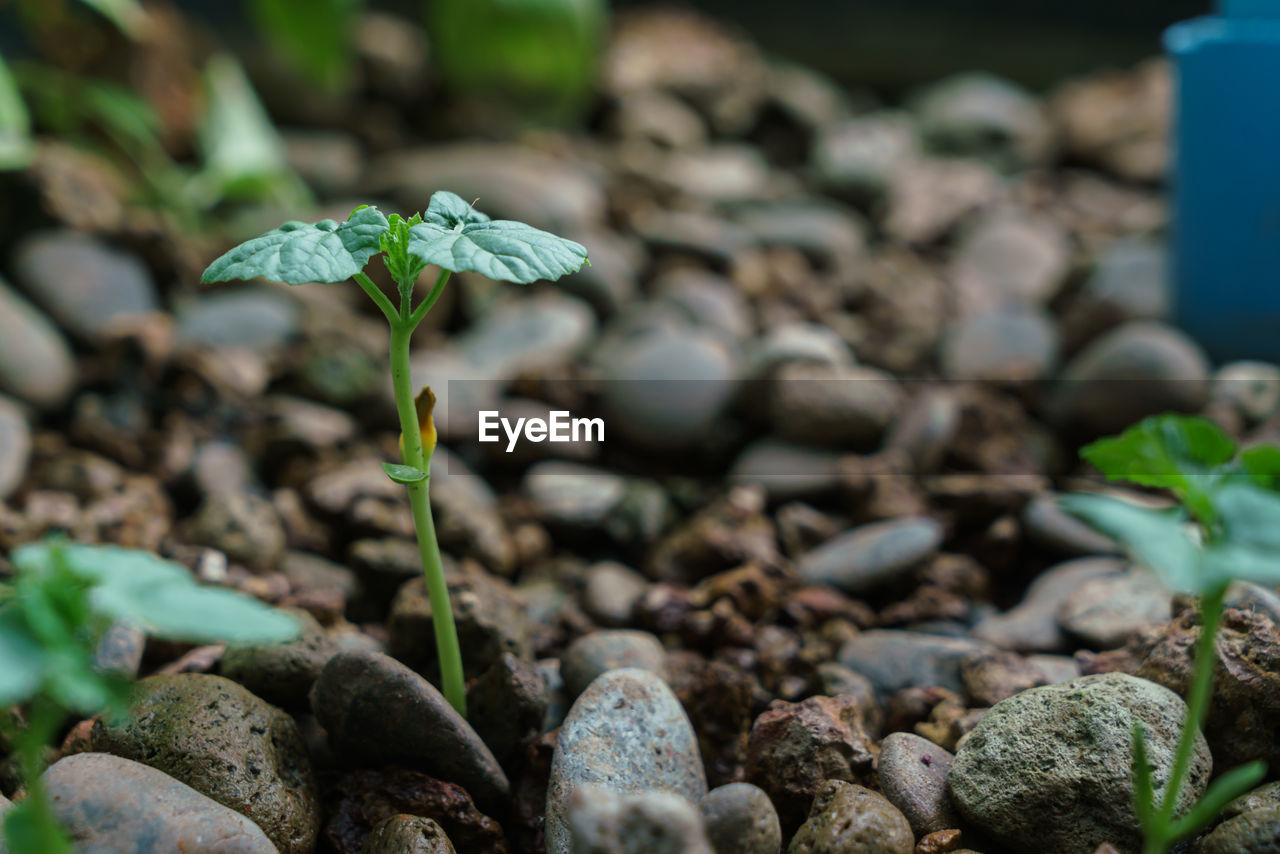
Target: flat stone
column 36, row 363
column 109, row 804
column 1010, row 256
column 1104, row 613
column 15, row 447
column 282, row 673
column 1032, row 625
column 894, row 660
column 252, row 318
column 611, row 592
column 740, row 819
column 626, row 733
column 872, row 555
column 376, row 709
column 610, row 649
column 787, row 470
column 1048, row 769
column 1005, row 345
column 913, row 776
column 84, row 283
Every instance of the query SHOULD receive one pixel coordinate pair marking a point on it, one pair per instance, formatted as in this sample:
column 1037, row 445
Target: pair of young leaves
column 65, row 595
column 451, row 234
column 1230, row 494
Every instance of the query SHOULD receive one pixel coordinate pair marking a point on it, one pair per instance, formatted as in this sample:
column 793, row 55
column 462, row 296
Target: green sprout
column 54, row 614
column 453, row 236
column 1226, row 528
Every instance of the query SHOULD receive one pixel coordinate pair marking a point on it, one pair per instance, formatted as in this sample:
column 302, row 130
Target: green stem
column 44, row 716
column 1197, row 700
column 450, row 654
column 375, row 293
column 430, row 300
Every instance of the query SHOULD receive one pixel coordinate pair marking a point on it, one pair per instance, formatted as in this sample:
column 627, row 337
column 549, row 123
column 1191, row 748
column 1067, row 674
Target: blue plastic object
column 1226, row 256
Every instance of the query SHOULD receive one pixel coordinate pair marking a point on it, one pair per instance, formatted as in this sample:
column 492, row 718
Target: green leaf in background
column 243, row 154
column 1262, row 464
column 314, row 36
column 21, row 658
column 198, row 614
column 1185, row 454
column 127, row 15
column 299, row 252
column 1249, row 516
column 404, row 474
column 16, row 145
column 1158, row 539
column 27, row 828
column 497, row 249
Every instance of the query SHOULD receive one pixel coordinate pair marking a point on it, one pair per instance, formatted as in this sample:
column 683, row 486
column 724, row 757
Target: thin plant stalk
column 29, row 741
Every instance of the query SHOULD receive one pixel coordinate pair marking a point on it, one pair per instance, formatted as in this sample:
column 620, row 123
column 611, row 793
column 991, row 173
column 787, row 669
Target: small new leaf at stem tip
column 404, row 474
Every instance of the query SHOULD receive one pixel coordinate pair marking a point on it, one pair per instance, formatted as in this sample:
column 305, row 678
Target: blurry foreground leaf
column 128, row 15
column 1157, row 538
column 16, row 145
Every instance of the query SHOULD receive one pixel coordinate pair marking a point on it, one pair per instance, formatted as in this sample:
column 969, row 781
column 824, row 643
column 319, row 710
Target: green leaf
column 29, row 827
column 450, row 211
column 109, row 566
column 1249, row 515
column 16, row 145
column 404, row 474
column 21, row 659
column 127, row 15
column 498, row 249
column 298, row 252
column 1182, row 453
column 1221, row 792
column 1155, row 538
column 1262, row 464
column 315, row 36
column 197, row 614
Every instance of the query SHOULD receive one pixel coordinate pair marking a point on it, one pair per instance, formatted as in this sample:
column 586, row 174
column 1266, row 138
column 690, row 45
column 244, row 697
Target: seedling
column 53, row 615
column 1226, row 528
column 453, row 236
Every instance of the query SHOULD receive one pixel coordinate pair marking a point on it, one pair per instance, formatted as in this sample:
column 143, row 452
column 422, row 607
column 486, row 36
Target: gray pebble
column 740, row 819
column 610, row 649
column 15, row 447
column 604, row 822
column 611, row 592
column 1032, row 625
column 251, row 318
column 849, row 819
column 913, row 776
column 627, row 733
column 36, row 363
column 872, row 555
column 407, row 834
column 1105, row 613
column 282, row 673
column 1006, row 344
column 894, row 660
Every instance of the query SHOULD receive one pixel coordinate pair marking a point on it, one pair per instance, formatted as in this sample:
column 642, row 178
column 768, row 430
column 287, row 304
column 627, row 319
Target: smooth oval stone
column 611, row 592
column 626, row 733
column 83, row 282
column 740, row 819
column 1032, row 625
column 219, row 739
column 376, row 709
column 873, row 554
column 601, row 651
column 15, row 447
column 894, row 659
column 282, row 673
column 913, row 776
column 1007, row 344
column 252, row 318
column 36, row 364
column 109, row 804
column 1048, row 768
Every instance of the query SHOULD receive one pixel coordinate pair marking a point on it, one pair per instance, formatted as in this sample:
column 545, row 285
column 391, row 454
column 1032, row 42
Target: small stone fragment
column 740, row 819
column 407, row 834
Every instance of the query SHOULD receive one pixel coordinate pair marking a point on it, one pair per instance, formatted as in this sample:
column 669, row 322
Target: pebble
column 110, row 804
column 979, row 114
column 851, row 819
column 1131, row 281
column 831, row 235
column 15, row 447
column 251, row 318
column 858, row 158
column 722, row 173
column 610, row 282
column 925, row 428
column 740, row 819
column 84, row 283
column 1050, row 526
column 508, row 704
column 1010, row 256
column 611, row 591
column 710, row 301
column 603, row 822
column 1140, row 369
column 668, row 391
column 894, row 659
column 282, row 673
column 1069, row 746
column 528, row 334
column 572, row 494
column 786, row 470
column 794, row 747
column 219, row 739
column 407, row 834
column 1014, row 343
column 627, row 733
column 610, row 649
column 658, row 117
column 36, row 363
column 872, row 555
column 845, row 405
column 241, row 525
column 120, row 650
column 1104, row 613
column 929, row 200
column 913, row 776
column 1032, row 625
column 330, row 162
column 376, row 709
column 792, row 342
column 1252, row 388
column 1252, row 832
